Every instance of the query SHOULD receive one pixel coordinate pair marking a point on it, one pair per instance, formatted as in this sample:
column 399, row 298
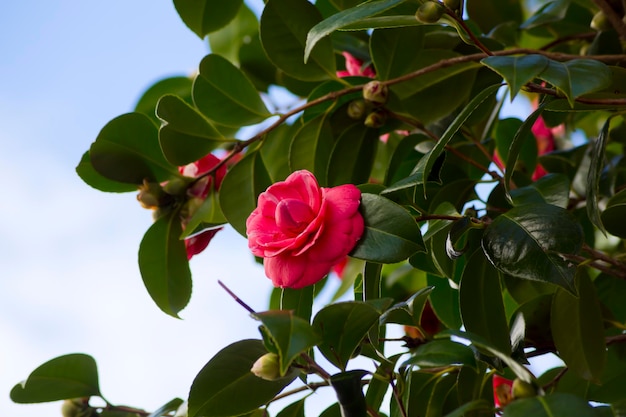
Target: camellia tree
column 488, row 239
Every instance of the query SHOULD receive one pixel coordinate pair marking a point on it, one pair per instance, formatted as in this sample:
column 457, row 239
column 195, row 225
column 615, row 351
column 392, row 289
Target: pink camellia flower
column 354, row 67
column 502, row 391
column 199, row 191
column 302, row 230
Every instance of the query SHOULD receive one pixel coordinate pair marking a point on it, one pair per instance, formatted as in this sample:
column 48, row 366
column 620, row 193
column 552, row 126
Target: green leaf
column 164, row 266
column 225, row 95
column 300, row 301
column 240, row 188
column 482, row 308
column 445, row 302
column 127, row 150
column 475, row 405
column 517, row 70
column 522, row 242
column 488, row 14
column 344, row 18
column 292, row 410
column 185, row 135
column 550, row 189
column 284, row 28
column 388, row 51
column 577, row 77
column 168, row 408
column 217, row 389
column 391, row 234
column 348, row 387
column 206, row 16
column 454, row 127
column 290, row 334
column 407, row 312
column 231, row 38
column 91, row 177
column 577, row 328
column 343, row 326
column 352, row 157
column 311, row 148
column 178, row 86
column 64, row 377
column 613, row 215
column 557, row 404
column 208, row 216
column 595, row 173
column 442, row 353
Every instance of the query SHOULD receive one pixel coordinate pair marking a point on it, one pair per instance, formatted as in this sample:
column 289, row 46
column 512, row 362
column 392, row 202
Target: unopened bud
column 267, row 367
column 76, row 407
column 191, row 207
column 452, row 4
column 356, row 109
column 600, row 22
column 150, row 195
column 523, row 389
column 176, row 186
column 376, row 119
column 376, row 92
column 429, row 12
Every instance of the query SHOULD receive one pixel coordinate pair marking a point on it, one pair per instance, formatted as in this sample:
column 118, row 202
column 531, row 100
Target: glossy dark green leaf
column 550, row 189
column 614, row 214
column 300, row 301
column 311, row 148
column 240, row 188
column 595, row 173
column 577, row 328
column 487, row 14
column 344, row 18
column 284, row 28
column 332, row 411
column 163, row 265
column 612, row 292
column 185, row 135
column 208, row 216
column 69, row 376
column 517, row 70
column 482, row 308
column 348, row 387
column 551, row 405
column 527, row 242
column 91, row 177
column 127, row 150
column 225, row 95
column 454, row 127
column 391, row 234
column 291, row 335
column 206, row 16
column 293, row 410
column 229, row 39
column 481, row 405
column 343, row 326
column 178, row 86
column 442, row 353
column 445, row 302
column 167, row 408
column 577, row 77
column 352, row 157
column 217, row 389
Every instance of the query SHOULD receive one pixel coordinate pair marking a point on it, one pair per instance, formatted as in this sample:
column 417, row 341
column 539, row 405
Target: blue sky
column 69, row 280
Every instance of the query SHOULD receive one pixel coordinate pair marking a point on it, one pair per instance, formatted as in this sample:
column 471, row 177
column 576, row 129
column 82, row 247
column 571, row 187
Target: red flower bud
column 376, row 92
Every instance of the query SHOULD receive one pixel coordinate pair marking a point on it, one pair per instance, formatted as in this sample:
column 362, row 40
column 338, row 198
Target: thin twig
column 477, row 43
column 396, row 395
column 596, row 254
column 556, row 379
column 612, row 16
column 236, row 298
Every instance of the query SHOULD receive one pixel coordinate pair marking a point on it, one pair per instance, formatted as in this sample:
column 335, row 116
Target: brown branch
column 615, row 339
column 472, row 162
column 564, row 39
column 396, row 395
column 612, row 16
column 468, row 31
column 596, row 254
column 593, row 264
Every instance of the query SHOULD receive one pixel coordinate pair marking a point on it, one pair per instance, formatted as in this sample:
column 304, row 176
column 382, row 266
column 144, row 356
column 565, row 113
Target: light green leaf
column 291, row 335
column 208, row 215
column 344, row 18
column 284, row 28
column 185, row 135
column 577, row 329
column 68, row 376
column 225, row 95
column 217, row 389
column 163, row 265
column 206, row 16
column 527, row 242
column 391, row 234
column 517, row 70
column 577, row 77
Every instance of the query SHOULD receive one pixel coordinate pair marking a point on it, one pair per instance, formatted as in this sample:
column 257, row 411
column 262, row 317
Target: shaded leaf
column 527, row 242
column 91, row 177
column 442, row 353
column 391, row 234
column 550, row 189
column 517, row 70
column 577, row 328
column 68, row 376
column 613, row 215
column 577, row 77
column 217, row 389
column 352, row 157
column 407, row 312
column 594, row 176
column 164, row 266
column 487, row 14
column 225, row 95
column 551, row 405
column 348, row 387
column 206, row 16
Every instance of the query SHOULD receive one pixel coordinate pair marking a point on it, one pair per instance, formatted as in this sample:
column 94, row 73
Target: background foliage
column 483, row 258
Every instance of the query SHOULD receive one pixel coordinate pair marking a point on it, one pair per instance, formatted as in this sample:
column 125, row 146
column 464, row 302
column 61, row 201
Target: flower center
column 293, row 215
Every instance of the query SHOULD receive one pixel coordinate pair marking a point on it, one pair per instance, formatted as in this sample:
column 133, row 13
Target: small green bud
column 600, row 22
column 267, row 367
column 76, row 407
column 376, row 92
column 376, row 118
column 523, row 389
column 356, row 109
column 176, row 186
column 430, row 12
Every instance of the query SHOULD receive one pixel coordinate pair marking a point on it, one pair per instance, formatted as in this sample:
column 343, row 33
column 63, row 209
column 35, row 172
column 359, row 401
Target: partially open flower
column 502, row 391
column 354, row 67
